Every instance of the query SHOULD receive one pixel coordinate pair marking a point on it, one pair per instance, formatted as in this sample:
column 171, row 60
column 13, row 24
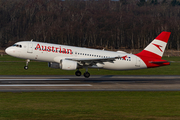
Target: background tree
column 100, row 24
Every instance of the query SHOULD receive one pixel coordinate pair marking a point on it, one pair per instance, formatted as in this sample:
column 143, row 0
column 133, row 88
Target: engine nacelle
column 53, row 65
column 64, row 65
column 68, row 65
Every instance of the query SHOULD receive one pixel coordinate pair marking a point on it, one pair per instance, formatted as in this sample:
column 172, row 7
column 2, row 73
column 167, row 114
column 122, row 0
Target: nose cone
column 9, row 50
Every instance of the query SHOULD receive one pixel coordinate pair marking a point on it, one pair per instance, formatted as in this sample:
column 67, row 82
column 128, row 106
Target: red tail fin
column 156, row 48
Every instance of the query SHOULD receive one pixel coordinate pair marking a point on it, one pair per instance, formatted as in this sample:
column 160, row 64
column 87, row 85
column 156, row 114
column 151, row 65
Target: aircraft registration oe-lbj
column 72, row 58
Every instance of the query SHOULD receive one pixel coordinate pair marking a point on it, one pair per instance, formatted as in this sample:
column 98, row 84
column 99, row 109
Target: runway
column 94, row 83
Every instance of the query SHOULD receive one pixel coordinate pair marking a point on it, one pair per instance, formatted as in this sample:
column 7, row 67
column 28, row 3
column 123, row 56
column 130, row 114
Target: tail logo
column 158, row 46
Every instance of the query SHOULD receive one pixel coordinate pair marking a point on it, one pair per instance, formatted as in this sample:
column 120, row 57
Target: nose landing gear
column 27, row 61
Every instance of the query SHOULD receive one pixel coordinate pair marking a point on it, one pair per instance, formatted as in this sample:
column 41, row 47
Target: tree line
column 107, row 24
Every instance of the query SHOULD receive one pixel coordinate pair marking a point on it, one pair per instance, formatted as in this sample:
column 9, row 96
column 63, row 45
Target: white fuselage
column 54, row 53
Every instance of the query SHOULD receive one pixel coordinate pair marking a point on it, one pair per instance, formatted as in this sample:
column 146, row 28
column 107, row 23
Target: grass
column 90, row 105
column 101, row 105
column 15, row 66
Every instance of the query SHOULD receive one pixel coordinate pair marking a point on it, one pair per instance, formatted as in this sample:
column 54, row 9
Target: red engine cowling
column 64, row 65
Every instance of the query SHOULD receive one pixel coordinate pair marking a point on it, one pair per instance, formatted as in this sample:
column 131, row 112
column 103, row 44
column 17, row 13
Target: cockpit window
column 17, row 45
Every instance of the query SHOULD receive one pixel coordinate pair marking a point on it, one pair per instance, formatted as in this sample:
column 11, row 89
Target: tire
column 78, row 73
column 25, row 67
column 86, row 74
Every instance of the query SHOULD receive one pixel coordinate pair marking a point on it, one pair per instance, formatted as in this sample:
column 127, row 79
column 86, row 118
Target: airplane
column 72, row 58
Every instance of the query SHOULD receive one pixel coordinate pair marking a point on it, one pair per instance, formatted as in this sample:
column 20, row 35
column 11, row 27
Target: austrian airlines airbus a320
column 72, row 58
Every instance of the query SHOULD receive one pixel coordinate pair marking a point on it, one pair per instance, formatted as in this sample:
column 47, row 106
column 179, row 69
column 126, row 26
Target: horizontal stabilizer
column 160, row 62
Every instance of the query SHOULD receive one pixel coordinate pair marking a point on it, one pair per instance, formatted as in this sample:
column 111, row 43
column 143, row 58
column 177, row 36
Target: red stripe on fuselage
column 148, row 58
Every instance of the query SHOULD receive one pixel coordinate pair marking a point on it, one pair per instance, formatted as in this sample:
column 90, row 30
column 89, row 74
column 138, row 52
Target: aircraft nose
column 9, row 50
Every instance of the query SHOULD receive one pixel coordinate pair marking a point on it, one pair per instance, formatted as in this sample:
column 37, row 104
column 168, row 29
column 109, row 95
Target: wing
column 93, row 61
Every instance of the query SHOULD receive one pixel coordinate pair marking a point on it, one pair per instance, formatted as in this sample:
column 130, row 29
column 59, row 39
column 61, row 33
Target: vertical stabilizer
column 156, row 48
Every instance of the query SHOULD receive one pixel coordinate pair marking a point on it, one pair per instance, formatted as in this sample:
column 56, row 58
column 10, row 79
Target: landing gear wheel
column 27, row 61
column 78, row 73
column 86, row 74
column 25, row 67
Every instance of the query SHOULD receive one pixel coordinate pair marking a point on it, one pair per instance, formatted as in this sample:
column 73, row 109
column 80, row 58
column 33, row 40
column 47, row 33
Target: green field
column 14, row 66
column 90, row 105
column 97, row 105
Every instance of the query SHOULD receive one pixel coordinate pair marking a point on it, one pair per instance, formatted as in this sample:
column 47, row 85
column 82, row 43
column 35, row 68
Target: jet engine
column 64, row 65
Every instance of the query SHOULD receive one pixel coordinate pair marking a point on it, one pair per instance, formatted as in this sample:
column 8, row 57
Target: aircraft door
column 30, row 47
column 138, row 62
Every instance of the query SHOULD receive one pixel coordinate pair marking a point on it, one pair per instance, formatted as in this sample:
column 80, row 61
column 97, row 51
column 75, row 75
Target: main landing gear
column 86, row 74
column 78, row 73
column 27, row 61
